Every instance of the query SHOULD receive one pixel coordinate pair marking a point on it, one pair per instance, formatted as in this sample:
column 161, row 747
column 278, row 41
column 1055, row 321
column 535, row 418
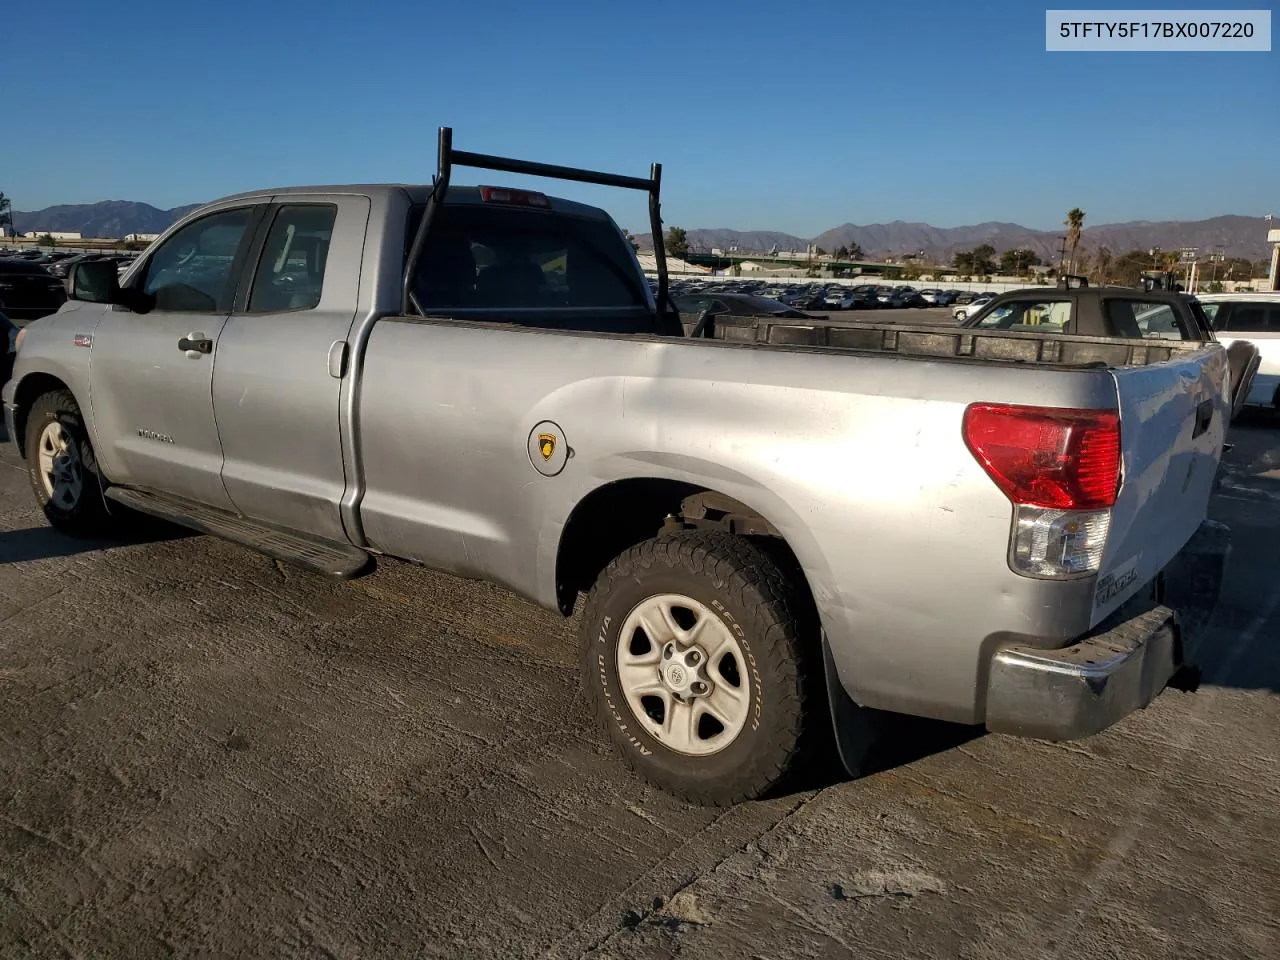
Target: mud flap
column 854, row 726
column 1192, row 584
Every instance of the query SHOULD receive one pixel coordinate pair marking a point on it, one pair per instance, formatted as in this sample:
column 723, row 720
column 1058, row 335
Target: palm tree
column 1075, row 226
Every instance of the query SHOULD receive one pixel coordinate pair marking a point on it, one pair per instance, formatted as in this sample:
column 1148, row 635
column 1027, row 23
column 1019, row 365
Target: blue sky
column 792, row 116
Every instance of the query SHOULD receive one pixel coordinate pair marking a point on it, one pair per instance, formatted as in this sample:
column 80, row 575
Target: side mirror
column 94, row 281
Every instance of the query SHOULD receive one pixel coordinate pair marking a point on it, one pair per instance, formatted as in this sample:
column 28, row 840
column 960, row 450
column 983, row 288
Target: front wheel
column 699, row 654
column 62, row 468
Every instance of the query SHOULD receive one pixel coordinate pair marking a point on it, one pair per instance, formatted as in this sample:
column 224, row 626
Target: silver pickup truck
column 775, row 524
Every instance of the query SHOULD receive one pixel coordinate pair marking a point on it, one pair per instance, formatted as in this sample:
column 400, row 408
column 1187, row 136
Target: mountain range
column 107, row 218
column 1235, row 236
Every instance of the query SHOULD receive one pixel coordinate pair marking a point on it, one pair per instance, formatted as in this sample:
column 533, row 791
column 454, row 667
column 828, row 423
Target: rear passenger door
column 281, row 362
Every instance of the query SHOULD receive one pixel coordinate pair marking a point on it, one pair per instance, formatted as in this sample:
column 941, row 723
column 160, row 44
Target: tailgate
column 1173, row 420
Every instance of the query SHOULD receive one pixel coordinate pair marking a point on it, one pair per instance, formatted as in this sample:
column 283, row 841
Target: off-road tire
column 87, row 517
column 772, row 620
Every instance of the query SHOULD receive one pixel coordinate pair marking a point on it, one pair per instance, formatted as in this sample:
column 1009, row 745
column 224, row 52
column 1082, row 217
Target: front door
column 151, row 373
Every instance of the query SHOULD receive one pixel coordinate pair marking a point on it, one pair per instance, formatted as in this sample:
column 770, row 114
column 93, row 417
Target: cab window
column 1029, row 316
column 1137, row 319
column 191, row 272
column 290, row 271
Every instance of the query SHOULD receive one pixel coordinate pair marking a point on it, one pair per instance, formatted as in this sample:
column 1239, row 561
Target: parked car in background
column 737, row 304
column 1254, row 317
column 8, row 346
column 967, row 308
column 64, row 265
column 906, row 297
column 28, row 290
column 860, row 300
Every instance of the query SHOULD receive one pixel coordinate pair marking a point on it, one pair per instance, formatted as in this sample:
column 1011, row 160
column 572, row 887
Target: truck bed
column 941, row 341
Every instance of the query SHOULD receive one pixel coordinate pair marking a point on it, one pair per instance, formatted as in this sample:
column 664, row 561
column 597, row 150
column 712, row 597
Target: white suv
column 1254, row 317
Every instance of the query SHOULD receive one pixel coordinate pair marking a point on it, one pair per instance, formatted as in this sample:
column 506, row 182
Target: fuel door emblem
column 548, row 450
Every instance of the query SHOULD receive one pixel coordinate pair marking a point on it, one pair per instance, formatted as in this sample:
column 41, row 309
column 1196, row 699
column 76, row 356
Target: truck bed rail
column 933, row 340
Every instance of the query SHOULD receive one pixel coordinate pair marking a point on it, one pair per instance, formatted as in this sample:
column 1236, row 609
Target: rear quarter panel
column 857, row 460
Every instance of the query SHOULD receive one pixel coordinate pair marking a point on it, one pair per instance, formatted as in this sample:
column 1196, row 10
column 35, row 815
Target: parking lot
column 210, row 754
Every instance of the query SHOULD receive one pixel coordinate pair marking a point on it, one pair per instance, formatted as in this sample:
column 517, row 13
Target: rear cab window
column 534, row 267
column 290, row 272
column 1040, row 315
column 1137, row 319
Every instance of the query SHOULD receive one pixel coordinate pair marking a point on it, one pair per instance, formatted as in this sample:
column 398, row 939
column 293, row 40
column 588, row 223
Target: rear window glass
column 1137, row 319
column 498, row 258
column 1032, row 315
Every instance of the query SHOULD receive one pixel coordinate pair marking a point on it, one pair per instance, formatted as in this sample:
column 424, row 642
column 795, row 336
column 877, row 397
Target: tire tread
column 751, row 581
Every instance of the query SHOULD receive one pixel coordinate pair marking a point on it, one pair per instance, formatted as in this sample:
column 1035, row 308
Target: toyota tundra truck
column 780, row 527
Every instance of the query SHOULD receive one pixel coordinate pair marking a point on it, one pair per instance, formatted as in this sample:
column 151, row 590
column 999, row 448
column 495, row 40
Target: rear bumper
column 1118, row 668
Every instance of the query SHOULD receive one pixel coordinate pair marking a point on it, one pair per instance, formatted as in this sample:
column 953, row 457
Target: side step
column 340, row 560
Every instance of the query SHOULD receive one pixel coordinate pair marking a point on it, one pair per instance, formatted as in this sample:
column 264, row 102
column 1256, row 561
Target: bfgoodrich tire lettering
column 774, row 634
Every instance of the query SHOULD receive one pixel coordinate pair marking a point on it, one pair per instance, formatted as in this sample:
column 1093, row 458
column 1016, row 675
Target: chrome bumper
column 1079, row 690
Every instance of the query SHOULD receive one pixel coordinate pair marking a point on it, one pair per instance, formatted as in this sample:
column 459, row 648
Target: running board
column 340, row 560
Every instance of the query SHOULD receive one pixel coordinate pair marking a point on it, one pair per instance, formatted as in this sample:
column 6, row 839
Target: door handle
column 1204, row 417
column 195, row 344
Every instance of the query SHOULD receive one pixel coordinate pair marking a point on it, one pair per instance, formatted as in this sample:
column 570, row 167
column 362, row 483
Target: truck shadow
column 45, row 543
column 900, row 741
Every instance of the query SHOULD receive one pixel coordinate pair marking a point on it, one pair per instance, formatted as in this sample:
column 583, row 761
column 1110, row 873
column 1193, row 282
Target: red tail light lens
column 1045, row 456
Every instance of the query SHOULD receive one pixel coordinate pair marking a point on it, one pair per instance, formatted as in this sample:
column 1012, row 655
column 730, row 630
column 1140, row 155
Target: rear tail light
column 516, row 198
column 1061, row 470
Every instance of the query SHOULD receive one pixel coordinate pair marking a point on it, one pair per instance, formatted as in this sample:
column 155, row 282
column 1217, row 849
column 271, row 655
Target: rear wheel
column 699, row 654
column 62, row 468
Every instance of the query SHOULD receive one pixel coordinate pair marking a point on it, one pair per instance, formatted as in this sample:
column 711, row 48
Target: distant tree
column 676, row 243
column 842, row 252
column 46, row 240
column 1214, row 286
column 1018, row 262
column 1101, row 265
column 1240, row 268
column 820, row 252
column 855, row 251
column 6, row 215
column 1127, row 268
column 631, row 240
column 133, row 245
column 1075, row 227
column 977, row 261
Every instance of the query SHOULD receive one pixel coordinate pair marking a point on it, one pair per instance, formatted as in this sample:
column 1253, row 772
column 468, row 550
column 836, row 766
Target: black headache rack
column 447, row 158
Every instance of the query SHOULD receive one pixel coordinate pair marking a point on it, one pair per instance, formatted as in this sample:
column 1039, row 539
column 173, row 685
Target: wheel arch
column 29, row 389
column 622, row 513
